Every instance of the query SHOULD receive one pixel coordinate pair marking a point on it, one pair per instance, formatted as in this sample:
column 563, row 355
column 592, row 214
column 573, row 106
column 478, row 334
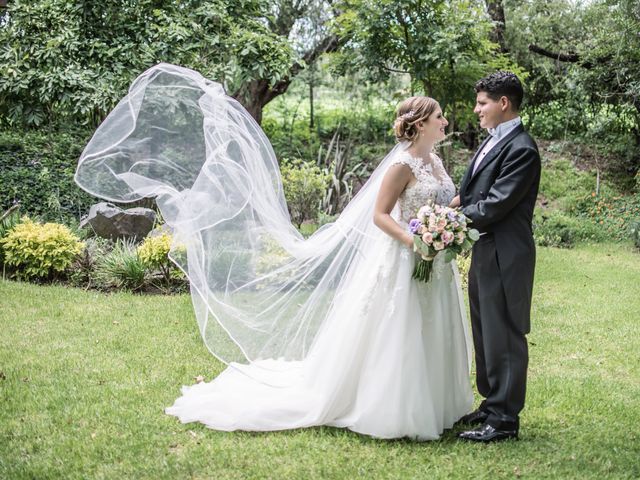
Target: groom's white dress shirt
column 497, row 134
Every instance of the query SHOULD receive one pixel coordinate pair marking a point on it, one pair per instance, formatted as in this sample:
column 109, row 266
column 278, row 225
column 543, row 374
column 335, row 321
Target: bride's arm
column 393, row 183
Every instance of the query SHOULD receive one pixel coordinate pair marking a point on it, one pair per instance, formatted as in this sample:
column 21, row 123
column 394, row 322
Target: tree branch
column 259, row 92
column 389, row 69
column 563, row 57
column 10, row 211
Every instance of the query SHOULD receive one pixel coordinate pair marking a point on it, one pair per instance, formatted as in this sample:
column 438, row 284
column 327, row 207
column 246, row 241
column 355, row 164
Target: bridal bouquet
column 439, row 229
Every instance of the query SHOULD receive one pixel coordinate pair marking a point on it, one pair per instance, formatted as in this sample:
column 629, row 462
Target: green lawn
column 84, row 378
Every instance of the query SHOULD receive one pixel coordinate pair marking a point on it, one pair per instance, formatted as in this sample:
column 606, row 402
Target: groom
column 498, row 193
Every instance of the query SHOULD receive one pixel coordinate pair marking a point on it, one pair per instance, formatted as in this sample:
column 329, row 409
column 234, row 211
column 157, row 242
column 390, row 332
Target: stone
column 161, row 230
column 109, row 221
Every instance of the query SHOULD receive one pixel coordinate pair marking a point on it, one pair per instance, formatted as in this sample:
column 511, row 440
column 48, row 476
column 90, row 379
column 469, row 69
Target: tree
column 549, row 22
column 442, row 44
column 306, row 21
column 602, row 60
column 73, row 60
column 495, row 9
column 64, row 60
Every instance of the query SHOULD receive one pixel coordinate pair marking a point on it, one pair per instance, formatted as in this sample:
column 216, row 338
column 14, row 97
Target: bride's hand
column 455, row 203
column 408, row 241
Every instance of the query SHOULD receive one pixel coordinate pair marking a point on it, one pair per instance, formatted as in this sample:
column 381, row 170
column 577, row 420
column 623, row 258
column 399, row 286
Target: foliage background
column 324, row 79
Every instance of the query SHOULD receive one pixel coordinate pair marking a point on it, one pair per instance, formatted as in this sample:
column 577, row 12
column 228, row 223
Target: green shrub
column 154, row 253
column 287, row 127
column 37, row 171
column 458, row 172
column 611, row 212
column 40, row 250
column 82, row 272
column 464, row 264
column 121, row 268
column 554, row 119
column 563, row 185
column 553, row 228
column 8, row 220
column 304, row 186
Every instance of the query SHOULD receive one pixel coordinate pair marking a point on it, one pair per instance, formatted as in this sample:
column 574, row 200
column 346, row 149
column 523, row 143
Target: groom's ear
column 505, row 103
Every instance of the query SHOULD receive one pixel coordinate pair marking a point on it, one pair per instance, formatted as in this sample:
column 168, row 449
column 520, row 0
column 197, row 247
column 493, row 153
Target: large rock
column 108, row 221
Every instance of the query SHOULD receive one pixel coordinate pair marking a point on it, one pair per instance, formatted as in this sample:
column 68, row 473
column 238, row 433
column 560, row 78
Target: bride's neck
column 422, row 150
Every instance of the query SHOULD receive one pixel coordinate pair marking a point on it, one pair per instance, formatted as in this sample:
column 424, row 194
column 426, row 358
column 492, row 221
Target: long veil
column 259, row 289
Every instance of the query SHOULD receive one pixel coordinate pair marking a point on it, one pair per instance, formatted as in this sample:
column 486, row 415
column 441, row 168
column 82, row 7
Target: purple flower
column 414, row 225
column 452, row 216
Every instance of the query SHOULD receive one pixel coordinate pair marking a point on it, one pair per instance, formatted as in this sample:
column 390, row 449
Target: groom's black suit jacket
column 499, row 198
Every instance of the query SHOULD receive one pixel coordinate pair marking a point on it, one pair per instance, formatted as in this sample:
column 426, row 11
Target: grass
column 84, row 378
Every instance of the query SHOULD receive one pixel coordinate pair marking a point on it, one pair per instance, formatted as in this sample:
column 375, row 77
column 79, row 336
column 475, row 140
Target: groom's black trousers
column 500, row 348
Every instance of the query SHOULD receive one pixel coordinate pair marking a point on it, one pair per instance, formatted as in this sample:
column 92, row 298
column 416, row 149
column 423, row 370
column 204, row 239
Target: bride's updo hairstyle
column 409, row 113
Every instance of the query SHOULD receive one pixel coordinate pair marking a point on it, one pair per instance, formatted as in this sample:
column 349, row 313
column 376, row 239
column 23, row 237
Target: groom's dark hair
column 502, row 84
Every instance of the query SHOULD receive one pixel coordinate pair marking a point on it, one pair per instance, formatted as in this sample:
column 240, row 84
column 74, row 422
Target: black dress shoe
column 477, row 417
column 486, row 433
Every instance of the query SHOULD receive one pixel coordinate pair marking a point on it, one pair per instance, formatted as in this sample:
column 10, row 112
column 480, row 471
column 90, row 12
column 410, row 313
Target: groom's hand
column 455, row 203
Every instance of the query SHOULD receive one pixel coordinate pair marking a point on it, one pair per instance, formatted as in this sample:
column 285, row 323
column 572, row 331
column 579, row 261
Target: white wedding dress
column 392, row 360
column 325, row 330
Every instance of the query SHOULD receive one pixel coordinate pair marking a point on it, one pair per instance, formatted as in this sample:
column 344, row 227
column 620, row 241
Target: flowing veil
column 259, row 289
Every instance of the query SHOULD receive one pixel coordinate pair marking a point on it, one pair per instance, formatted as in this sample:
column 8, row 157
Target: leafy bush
column 82, row 272
column 611, row 212
column 8, row 220
column 40, row 250
column 121, row 268
column 154, row 253
column 464, row 264
column 37, row 171
column 304, row 187
column 555, row 119
column 562, row 184
column 553, row 228
column 287, row 127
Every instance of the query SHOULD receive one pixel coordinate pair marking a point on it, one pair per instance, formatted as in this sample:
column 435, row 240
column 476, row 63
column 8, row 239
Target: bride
column 328, row 330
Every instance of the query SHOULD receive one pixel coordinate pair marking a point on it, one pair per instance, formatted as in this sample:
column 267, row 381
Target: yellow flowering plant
column 39, row 250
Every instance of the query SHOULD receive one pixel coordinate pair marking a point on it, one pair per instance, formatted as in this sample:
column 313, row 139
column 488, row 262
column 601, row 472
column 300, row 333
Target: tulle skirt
column 392, row 360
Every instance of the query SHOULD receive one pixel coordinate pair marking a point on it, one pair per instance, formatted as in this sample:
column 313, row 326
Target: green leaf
column 449, row 255
column 473, row 234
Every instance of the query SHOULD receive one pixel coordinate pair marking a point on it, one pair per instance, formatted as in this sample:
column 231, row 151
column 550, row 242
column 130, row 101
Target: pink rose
column 438, row 245
column 427, row 238
column 447, row 237
column 424, row 212
column 460, row 238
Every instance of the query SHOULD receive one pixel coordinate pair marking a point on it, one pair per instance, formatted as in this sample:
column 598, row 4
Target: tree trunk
column 255, row 94
column 311, row 123
column 495, row 9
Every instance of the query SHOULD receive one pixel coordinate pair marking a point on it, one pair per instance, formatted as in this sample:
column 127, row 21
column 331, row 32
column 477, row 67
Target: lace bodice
column 432, row 182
